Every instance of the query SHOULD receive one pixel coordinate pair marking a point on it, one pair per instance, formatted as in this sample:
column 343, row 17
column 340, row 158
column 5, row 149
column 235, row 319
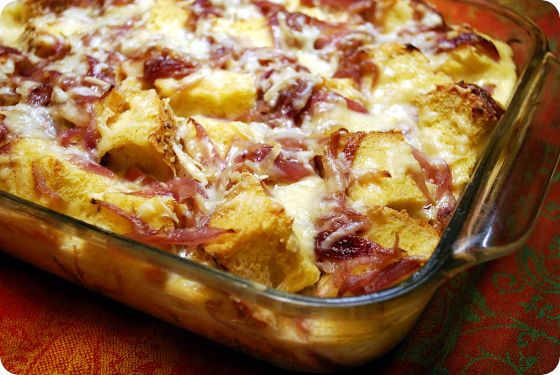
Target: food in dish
column 314, row 146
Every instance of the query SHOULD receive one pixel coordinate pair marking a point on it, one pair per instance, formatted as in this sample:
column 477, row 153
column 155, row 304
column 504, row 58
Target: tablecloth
column 502, row 318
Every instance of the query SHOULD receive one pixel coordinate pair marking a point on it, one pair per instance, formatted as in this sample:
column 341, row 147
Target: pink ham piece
column 90, row 166
column 180, row 237
column 468, row 38
column 72, row 136
column 439, row 174
column 166, row 66
column 378, row 278
column 180, row 188
column 287, row 170
column 40, row 95
column 185, row 188
column 280, row 169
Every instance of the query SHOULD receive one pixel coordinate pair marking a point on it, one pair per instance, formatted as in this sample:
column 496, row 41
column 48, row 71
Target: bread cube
column 391, row 15
column 263, row 247
column 454, row 122
column 14, row 16
column 467, row 63
column 404, row 74
column 387, row 153
column 219, row 93
column 75, row 190
column 345, row 87
column 415, row 236
column 251, row 33
column 137, row 129
column 168, row 16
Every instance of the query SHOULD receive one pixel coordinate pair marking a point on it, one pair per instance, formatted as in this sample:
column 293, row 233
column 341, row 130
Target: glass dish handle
column 509, row 189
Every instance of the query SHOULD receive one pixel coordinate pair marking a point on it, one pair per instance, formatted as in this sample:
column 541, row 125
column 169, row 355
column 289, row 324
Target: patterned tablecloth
column 503, row 317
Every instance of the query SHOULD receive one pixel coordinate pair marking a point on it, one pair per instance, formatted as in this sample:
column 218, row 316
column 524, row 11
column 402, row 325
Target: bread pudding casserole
column 313, row 146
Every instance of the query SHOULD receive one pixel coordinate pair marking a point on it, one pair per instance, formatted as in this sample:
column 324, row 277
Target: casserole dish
column 296, row 331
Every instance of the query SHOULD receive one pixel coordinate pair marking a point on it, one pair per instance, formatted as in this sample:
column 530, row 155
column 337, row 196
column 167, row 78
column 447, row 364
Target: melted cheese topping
column 301, row 200
column 237, row 88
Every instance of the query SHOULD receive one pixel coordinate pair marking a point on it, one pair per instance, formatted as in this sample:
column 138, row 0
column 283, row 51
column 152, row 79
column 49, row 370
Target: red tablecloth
column 503, row 317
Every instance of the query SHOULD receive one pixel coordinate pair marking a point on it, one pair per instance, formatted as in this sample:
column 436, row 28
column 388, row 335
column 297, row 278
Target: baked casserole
column 314, row 146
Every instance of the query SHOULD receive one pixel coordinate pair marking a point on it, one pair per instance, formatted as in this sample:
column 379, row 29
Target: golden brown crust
column 391, row 227
column 260, row 247
column 137, row 130
column 388, row 167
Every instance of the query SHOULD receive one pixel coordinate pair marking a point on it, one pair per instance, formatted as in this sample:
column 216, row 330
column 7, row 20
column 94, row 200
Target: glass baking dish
column 494, row 217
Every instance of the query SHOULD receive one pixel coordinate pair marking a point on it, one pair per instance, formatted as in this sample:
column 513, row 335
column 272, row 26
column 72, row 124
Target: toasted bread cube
column 387, row 153
column 251, row 33
column 16, row 177
column 415, row 236
column 157, row 212
column 262, row 248
column 219, row 93
column 454, row 122
column 168, row 16
column 404, row 74
column 136, row 129
column 467, row 63
column 76, row 189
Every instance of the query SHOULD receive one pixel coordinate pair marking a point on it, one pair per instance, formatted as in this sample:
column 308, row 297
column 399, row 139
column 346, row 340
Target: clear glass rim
column 246, row 287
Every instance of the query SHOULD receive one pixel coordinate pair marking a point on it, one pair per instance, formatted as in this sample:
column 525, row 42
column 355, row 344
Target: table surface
column 502, row 317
